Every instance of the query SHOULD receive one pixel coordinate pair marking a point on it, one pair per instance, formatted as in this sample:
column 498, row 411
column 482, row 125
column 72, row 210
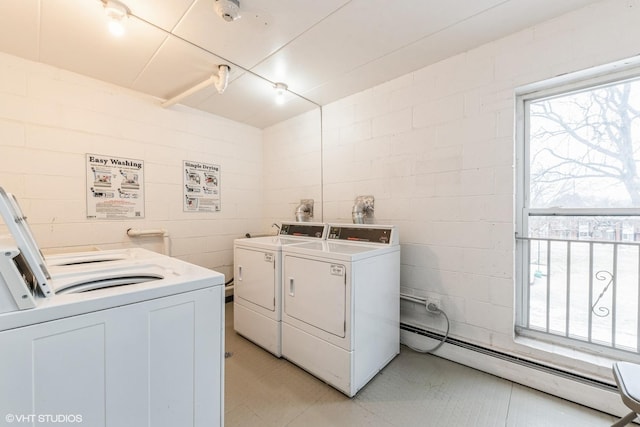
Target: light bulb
column 116, row 14
column 281, row 89
column 116, row 28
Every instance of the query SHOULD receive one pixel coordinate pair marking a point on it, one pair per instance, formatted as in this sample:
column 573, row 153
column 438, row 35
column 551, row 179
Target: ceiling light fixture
column 280, row 89
column 220, row 81
column 229, row 10
column 116, row 13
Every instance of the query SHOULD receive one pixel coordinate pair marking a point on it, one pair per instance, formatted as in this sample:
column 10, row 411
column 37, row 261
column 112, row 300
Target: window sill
column 578, row 361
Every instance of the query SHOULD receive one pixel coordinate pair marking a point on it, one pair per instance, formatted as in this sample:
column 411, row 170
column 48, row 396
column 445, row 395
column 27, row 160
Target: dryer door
column 315, row 293
column 255, row 277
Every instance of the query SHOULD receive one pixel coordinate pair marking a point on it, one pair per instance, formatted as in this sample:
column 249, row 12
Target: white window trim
column 563, row 84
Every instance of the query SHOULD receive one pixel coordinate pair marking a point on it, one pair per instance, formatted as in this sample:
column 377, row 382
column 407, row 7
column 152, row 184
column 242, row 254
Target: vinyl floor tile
column 413, row 390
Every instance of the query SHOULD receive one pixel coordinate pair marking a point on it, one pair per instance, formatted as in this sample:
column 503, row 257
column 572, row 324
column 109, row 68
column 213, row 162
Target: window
column 578, row 213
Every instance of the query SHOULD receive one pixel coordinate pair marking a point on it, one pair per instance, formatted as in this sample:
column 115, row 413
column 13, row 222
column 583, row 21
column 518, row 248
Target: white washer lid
column 19, row 228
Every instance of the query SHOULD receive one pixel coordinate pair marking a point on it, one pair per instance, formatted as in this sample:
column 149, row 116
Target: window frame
column 562, row 85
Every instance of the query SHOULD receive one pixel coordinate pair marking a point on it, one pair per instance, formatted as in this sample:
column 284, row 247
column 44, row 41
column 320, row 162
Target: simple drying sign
column 115, row 187
column 201, row 187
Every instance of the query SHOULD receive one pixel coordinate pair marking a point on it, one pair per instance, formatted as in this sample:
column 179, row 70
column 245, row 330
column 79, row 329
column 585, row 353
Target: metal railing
column 581, row 290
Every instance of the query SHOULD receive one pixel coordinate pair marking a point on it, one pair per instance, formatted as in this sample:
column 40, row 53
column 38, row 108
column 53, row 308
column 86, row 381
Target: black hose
column 446, row 335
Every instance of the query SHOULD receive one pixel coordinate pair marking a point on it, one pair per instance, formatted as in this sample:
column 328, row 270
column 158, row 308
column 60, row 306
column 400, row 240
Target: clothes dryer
column 257, row 298
column 341, row 304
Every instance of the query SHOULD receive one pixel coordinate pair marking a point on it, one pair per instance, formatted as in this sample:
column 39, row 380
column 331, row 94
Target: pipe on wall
column 362, row 211
column 304, row 211
column 220, row 81
column 166, row 241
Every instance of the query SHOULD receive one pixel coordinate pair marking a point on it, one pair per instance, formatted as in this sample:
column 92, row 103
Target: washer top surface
column 339, row 251
column 100, row 259
column 163, row 276
column 274, row 243
column 93, row 257
column 291, row 233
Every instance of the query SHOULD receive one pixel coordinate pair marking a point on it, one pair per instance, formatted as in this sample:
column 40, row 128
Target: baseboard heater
column 510, row 358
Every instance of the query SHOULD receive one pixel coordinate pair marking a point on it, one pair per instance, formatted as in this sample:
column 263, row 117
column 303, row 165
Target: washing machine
column 18, row 226
column 257, row 293
column 137, row 341
column 341, row 304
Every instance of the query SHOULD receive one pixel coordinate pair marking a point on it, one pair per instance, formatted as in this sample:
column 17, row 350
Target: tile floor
column 413, row 390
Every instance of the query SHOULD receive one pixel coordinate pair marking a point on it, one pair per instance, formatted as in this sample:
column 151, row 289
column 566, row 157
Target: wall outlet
column 433, row 305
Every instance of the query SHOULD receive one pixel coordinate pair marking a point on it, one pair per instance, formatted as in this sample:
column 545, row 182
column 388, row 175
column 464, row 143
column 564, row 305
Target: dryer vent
column 304, row 211
column 362, row 211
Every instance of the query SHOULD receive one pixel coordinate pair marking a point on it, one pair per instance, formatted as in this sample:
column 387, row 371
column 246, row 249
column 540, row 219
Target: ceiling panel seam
column 39, row 30
column 446, row 27
column 148, row 63
column 169, row 33
column 299, row 35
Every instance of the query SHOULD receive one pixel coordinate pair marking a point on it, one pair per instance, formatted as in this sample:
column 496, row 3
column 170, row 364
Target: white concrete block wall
column 292, row 168
column 436, row 149
column 49, row 120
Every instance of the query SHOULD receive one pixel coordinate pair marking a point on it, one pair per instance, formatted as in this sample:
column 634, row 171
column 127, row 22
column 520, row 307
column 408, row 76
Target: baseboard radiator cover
column 583, row 390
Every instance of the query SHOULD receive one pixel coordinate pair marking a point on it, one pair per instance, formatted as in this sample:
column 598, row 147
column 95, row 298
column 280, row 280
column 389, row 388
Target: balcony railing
column 582, row 290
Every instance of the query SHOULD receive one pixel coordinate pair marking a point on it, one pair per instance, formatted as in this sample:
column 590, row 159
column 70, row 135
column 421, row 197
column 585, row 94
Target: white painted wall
column 436, row 149
column 50, row 118
column 292, row 153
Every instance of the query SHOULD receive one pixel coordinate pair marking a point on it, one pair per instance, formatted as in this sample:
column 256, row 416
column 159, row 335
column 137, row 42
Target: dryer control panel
column 302, row 229
column 380, row 234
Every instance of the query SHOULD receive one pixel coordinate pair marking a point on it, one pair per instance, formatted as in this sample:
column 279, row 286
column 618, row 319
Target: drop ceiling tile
column 74, row 36
column 324, row 50
column 353, row 65
column 360, row 33
column 249, row 99
column 165, row 15
column 19, row 22
column 265, row 26
column 273, row 115
column 178, row 66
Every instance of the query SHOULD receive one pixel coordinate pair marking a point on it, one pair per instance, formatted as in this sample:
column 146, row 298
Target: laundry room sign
column 115, row 187
column 201, row 187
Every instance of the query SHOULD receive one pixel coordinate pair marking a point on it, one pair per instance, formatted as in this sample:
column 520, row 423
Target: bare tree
column 583, row 137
